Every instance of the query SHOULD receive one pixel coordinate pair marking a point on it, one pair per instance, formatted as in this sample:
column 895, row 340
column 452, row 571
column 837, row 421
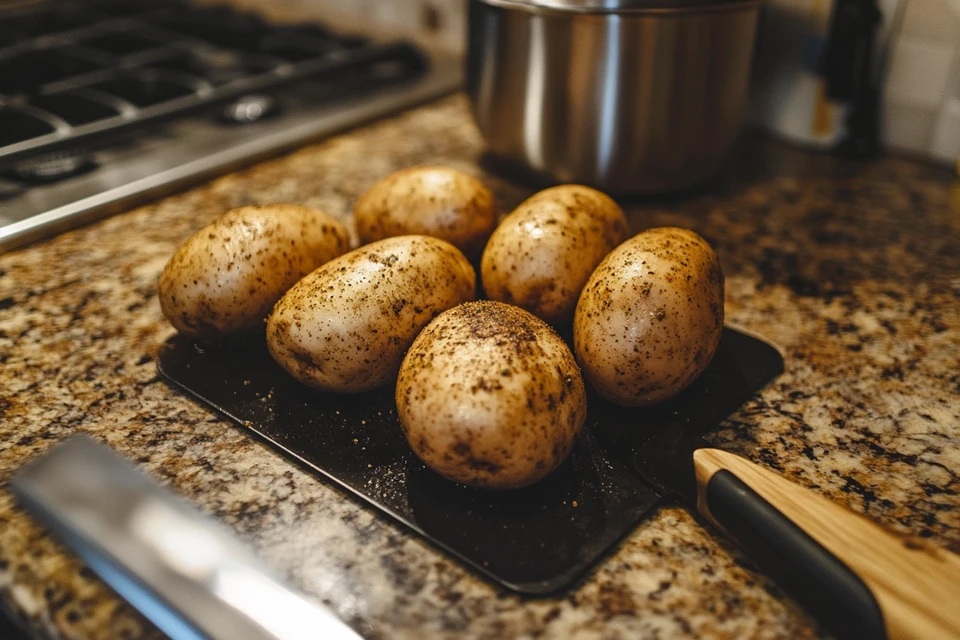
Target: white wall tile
column 932, row 21
column 908, row 127
column 387, row 17
column 953, row 82
column 919, row 72
column 945, row 144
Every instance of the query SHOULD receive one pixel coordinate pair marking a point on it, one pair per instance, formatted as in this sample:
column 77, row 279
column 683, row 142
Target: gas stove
column 106, row 103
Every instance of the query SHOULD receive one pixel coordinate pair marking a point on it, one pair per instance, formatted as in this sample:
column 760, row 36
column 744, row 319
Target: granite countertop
column 852, row 269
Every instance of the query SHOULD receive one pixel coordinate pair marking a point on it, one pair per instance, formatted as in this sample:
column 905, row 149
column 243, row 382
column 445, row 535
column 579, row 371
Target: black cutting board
column 534, row 541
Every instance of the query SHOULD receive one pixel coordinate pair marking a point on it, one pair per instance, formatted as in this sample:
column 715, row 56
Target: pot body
column 630, row 101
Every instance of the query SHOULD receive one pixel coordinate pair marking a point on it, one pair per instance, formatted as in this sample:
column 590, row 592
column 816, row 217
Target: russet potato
column 490, row 396
column 345, row 327
column 541, row 255
column 224, row 279
column 434, row 201
column 649, row 319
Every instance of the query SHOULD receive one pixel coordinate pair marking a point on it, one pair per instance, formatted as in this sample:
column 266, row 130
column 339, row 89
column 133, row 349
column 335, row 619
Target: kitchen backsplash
column 439, row 23
column 921, row 110
column 922, row 94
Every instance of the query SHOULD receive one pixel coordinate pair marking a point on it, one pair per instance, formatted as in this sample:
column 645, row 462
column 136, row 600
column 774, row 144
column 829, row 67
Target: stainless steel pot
column 625, row 95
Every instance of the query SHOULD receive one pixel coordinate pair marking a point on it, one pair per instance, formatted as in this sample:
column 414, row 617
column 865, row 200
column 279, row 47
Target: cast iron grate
column 87, row 71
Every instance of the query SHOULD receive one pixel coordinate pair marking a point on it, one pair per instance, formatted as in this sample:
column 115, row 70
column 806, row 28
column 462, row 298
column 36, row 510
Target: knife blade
column 186, row 573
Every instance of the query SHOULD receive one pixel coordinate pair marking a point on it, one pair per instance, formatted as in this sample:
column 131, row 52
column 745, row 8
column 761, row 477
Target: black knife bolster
column 817, row 579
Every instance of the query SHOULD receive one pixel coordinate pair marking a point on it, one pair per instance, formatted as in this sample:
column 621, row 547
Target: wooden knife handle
column 858, row 579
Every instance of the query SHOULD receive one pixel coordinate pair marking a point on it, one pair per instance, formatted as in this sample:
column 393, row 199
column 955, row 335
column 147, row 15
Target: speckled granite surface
column 854, row 270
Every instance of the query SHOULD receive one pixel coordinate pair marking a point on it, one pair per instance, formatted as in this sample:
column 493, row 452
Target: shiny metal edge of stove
column 106, row 191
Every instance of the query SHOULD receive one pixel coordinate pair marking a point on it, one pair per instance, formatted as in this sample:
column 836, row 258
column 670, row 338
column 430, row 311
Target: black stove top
column 78, row 79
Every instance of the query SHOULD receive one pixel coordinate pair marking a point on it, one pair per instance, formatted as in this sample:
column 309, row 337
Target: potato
column 541, row 255
column 345, row 327
column 432, row 201
column 225, row 278
column 490, row 396
column 649, row 320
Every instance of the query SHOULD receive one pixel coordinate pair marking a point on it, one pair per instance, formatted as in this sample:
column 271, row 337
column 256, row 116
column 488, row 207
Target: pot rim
column 622, row 7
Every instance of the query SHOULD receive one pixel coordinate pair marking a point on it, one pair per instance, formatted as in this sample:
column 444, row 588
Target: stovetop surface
column 104, row 103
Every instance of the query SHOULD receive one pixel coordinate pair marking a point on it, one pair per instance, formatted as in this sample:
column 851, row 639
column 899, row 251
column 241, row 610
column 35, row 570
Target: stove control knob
column 250, row 109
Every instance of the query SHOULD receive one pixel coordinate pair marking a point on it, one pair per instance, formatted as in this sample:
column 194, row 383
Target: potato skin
column 490, row 396
column 224, row 279
column 650, row 318
column 345, row 327
column 432, row 201
column 541, row 255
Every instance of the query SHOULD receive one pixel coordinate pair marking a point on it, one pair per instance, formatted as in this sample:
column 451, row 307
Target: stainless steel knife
column 190, row 576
